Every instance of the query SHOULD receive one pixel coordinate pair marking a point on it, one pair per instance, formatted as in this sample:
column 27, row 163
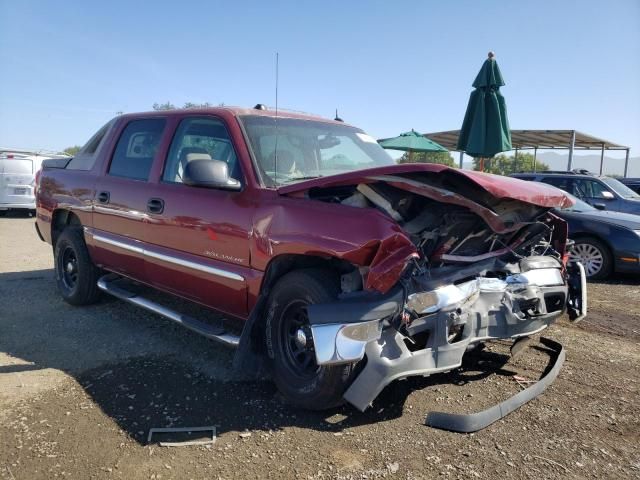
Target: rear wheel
column 290, row 344
column 594, row 256
column 76, row 275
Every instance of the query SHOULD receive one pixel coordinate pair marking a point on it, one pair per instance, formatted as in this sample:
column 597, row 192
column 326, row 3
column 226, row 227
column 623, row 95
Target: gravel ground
column 80, row 388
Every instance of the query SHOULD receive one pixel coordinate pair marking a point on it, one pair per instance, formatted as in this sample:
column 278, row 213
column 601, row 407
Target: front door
column 595, row 193
column 120, row 204
column 197, row 245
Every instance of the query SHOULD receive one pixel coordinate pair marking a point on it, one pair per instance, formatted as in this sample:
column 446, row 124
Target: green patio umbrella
column 485, row 129
column 411, row 142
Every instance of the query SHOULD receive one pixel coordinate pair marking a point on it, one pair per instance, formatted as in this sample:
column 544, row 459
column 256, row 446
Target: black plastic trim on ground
column 477, row 421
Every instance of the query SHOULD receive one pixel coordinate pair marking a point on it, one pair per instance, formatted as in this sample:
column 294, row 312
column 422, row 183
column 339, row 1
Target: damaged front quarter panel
column 369, row 239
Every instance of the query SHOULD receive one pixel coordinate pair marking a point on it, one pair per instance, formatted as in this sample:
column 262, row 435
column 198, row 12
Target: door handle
column 155, row 205
column 103, row 197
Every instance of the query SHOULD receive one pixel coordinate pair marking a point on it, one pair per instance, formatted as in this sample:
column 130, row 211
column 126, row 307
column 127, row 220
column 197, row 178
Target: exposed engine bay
column 450, row 227
column 483, row 268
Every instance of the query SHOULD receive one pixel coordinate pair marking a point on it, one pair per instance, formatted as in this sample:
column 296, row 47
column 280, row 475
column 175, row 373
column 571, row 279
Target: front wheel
column 76, row 275
column 594, row 256
column 290, row 344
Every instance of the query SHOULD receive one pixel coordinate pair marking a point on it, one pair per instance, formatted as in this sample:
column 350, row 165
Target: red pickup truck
column 345, row 270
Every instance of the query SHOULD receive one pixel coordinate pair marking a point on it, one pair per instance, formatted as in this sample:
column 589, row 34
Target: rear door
column 16, row 180
column 197, row 242
column 120, row 203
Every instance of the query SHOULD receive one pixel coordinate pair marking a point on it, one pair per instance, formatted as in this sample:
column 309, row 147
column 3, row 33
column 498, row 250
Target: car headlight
column 431, row 302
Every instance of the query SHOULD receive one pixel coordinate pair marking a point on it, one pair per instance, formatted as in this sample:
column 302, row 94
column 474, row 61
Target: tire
column 76, row 276
column 312, row 387
column 595, row 257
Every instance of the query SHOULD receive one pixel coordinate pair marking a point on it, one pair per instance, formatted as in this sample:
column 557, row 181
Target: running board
column 107, row 284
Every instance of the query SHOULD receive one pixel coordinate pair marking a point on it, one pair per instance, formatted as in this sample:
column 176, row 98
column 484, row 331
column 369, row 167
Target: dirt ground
column 81, row 387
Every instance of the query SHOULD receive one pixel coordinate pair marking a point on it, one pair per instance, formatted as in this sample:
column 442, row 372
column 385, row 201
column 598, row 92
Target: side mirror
column 209, row 174
column 607, row 195
column 600, row 206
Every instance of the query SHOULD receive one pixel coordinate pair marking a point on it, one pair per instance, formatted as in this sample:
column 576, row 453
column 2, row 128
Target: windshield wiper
column 295, row 179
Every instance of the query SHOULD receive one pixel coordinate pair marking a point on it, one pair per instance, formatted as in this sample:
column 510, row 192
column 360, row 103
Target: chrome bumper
column 451, row 316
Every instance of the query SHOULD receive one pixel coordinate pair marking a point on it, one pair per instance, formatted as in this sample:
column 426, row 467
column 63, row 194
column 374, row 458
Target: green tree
column 506, row 164
column 443, row 158
column 197, row 105
column 170, row 106
column 72, row 150
column 163, row 106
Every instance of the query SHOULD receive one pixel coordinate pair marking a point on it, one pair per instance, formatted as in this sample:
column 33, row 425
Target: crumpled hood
column 498, row 186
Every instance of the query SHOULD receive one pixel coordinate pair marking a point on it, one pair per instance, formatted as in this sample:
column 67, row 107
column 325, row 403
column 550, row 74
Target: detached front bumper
column 412, row 333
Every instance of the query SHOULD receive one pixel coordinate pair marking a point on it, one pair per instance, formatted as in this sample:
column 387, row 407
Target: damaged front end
column 486, row 266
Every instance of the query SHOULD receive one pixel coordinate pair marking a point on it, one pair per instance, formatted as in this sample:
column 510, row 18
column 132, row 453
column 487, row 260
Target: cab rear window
column 85, row 159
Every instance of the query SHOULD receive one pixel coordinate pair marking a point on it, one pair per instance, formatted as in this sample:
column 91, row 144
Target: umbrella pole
column 410, row 156
column 481, row 164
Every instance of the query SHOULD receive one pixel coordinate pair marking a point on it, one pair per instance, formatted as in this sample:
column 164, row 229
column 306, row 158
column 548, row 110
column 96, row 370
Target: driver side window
column 590, row 188
column 200, row 138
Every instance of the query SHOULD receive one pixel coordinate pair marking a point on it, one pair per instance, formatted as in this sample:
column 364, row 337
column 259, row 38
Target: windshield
column 620, row 188
column 579, row 206
column 309, row 149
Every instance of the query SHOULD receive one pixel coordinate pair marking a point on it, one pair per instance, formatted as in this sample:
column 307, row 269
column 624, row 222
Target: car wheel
column 76, row 275
column 594, row 256
column 290, row 344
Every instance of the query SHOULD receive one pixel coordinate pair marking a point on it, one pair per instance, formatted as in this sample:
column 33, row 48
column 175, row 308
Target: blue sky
column 67, row 67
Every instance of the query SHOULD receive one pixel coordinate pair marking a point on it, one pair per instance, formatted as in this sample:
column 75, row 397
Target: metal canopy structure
column 543, row 139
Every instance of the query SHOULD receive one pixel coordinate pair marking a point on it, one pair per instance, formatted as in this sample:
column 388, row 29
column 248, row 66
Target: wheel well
column 579, row 236
column 277, row 268
column 62, row 219
column 284, row 264
column 607, row 245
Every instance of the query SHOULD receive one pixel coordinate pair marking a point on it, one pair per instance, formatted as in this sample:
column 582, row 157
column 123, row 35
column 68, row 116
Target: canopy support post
column 626, row 163
column 601, row 158
column 515, row 162
column 535, row 158
column 461, row 157
column 571, row 147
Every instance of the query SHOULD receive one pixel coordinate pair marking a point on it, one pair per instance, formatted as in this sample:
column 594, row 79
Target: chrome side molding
column 167, row 258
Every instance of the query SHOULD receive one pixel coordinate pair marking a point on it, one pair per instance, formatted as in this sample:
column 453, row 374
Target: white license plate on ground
column 21, row 191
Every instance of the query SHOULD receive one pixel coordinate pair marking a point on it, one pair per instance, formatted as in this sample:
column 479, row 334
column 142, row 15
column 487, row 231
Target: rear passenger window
column 137, row 148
